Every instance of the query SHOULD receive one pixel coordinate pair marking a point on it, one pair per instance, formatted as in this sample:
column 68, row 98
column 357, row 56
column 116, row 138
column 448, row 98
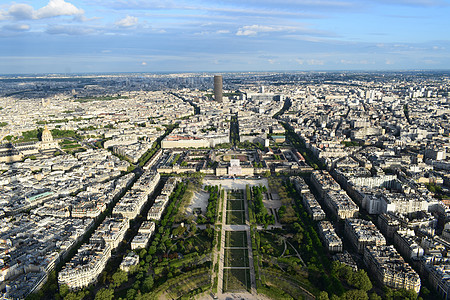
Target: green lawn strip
column 70, row 146
column 235, row 204
column 233, row 195
column 67, row 142
column 235, row 217
column 236, row 280
column 236, row 239
column 236, row 257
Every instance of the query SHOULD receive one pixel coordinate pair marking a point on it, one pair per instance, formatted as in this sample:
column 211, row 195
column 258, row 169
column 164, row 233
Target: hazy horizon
column 222, row 72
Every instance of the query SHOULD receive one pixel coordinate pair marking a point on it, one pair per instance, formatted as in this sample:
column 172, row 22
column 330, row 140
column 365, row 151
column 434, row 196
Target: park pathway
column 222, row 247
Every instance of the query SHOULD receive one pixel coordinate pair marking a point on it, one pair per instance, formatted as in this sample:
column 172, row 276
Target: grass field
column 236, row 258
column 237, row 194
column 236, row 239
column 235, row 204
column 235, row 280
column 181, row 285
column 235, row 217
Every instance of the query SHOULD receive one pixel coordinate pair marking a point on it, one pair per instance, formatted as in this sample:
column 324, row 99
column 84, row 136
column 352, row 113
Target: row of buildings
column 336, row 200
column 91, row 258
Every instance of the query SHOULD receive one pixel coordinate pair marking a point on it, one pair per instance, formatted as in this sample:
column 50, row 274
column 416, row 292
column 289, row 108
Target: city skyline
column 180, row 36
column 350, row 171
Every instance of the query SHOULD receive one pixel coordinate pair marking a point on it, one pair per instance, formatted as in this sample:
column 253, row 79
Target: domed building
column 47, row 141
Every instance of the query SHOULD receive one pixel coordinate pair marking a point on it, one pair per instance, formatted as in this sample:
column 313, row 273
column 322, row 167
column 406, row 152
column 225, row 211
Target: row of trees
column 389, row 294
column 301, row 147
column 358, row 279
column 149, row 154
column 260, row 211
column 159, row 255
column 211, row 209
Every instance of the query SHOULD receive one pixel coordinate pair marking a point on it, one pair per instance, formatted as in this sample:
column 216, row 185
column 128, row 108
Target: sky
column 84, row 36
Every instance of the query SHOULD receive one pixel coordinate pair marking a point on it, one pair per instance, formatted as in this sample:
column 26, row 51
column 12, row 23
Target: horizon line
column 225, row 72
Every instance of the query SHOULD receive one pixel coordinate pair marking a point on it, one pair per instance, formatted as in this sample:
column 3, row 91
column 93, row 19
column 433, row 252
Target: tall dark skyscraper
column 218, row 94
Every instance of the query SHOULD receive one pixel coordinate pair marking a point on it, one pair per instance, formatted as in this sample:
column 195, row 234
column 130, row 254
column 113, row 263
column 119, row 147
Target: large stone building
column 85, row 267
column 47, row 141
column 362, row 233
column 390, row 269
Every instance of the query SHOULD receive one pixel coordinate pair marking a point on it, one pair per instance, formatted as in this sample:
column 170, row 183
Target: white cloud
column 144, row 63
column 128, row 21
column 252, row 30
column 17, row 11
column 54, row 8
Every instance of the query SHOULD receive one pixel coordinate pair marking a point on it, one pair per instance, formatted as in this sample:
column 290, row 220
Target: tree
column 76, row 295
column 36, row 296
column 131, row 293
column 140, row 275
column 322, row 296
column 424, row 291
column 374, row 296
column 63, row 290
column 360, row 280
column 298, row 237
column 280, row 240
column 355, row 295
column 119, row 277
column 403, row 294
column 193, row 229
column 104, row 294
column 142, row 253
column 147, row 285
column 152, row 250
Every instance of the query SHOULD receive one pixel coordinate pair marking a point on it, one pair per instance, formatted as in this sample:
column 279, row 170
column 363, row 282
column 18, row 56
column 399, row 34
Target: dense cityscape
column 249, row 185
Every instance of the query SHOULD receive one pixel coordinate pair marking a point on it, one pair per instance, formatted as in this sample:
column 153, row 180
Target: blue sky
column 61, row 36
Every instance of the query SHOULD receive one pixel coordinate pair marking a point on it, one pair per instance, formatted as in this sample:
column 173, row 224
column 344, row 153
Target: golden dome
column 46, row 135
